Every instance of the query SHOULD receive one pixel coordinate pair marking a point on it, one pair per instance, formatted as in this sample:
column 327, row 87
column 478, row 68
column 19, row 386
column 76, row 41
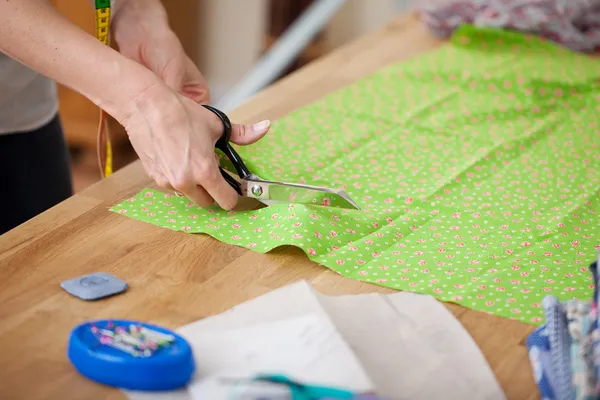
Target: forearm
column 34, row 33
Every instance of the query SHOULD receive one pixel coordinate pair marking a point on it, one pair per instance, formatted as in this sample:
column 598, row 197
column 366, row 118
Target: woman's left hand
column 142, row 32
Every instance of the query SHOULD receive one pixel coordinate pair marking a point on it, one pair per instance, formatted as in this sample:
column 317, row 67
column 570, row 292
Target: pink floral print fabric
column 476, row 167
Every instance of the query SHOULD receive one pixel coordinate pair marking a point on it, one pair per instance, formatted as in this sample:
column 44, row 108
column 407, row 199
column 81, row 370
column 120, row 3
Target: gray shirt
column 28, row 100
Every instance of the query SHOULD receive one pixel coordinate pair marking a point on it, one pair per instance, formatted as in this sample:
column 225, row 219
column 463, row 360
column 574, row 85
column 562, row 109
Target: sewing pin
column 106, row 340
column 125, row 348
column 106, row 332
column 157, row 336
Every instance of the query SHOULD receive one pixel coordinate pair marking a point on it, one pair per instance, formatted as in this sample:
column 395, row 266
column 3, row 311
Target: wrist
column 149, row 14
column 149, row 97
column 118, row 83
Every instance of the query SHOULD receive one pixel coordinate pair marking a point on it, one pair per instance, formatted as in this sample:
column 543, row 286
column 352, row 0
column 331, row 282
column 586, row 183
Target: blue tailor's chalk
column 94, row 286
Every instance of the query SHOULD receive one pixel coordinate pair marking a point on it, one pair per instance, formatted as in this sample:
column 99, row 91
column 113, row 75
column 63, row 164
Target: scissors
column 269, row 192
column 298, row 391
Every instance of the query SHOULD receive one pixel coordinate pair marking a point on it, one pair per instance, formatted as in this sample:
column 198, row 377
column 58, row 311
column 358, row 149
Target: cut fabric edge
column 321, row 262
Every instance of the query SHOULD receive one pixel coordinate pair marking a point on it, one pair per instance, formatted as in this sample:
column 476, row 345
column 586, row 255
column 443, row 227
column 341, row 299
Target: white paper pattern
column 408, row 346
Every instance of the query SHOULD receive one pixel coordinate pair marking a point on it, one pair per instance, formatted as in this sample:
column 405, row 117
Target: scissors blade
column 269, row 192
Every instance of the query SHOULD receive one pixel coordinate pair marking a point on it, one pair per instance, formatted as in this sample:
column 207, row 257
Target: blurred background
column 225, row 38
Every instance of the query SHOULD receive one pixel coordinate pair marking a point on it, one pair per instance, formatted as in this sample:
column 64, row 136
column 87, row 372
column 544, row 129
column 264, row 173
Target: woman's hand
column 172, row 134
column 141, row 30
column 175, row 139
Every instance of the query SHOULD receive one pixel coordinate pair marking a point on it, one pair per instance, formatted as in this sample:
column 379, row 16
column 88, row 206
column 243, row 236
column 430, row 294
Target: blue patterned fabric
column 538, row 345
column 595, row 331
column 560, row 346
column 565, row 351
column 582, row 362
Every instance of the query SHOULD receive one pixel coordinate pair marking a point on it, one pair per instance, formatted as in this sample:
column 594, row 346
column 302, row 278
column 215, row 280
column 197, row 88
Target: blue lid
column 131, row 355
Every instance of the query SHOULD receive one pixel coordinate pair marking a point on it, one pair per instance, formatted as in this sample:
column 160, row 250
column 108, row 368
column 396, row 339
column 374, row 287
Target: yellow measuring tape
column 104, row 147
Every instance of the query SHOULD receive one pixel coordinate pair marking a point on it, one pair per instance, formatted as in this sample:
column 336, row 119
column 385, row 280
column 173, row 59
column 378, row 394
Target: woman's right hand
column 175, row 139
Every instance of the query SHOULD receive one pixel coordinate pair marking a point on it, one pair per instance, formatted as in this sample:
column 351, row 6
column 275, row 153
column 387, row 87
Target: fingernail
column 261, row 126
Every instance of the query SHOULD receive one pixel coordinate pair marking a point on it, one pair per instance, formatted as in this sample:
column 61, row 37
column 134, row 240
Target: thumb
column 248, row 134
column 173, row 77
column 194, row 85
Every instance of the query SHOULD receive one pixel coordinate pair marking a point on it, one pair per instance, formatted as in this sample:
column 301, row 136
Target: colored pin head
column 112, row 353
column 136, row 341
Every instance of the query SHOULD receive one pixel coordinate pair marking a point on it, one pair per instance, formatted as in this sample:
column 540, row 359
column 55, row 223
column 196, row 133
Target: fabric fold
column 475, row 167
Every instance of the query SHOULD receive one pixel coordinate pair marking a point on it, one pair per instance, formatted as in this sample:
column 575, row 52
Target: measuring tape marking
column 104, row 147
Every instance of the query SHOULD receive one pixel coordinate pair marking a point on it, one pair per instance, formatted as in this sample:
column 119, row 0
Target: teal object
column 301, row 391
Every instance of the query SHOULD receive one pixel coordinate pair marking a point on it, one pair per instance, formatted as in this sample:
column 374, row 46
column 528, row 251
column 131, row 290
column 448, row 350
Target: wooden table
column 176, row 278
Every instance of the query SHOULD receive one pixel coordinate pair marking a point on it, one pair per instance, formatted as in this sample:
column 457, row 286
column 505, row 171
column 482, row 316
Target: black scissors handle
column 224, row 145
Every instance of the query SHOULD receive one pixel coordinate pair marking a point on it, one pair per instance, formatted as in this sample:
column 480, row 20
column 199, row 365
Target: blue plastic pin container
column 168, row 368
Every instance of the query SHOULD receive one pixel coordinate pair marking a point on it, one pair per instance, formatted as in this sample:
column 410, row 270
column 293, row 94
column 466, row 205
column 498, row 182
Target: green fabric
column 477, row 166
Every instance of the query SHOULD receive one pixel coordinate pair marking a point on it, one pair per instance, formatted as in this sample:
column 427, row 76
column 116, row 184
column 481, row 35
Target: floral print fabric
column 476, row 167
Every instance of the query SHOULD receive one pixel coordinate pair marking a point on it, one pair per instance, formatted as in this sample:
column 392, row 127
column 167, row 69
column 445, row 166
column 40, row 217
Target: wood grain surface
column 176, row 278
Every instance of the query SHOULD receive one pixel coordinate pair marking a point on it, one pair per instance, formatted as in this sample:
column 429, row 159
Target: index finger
column 212, row 181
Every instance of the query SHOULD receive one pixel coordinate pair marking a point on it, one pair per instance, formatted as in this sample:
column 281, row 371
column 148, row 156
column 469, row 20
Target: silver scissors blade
column 269, row 192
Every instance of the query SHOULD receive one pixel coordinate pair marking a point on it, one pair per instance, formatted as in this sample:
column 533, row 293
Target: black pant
column 34, row 173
